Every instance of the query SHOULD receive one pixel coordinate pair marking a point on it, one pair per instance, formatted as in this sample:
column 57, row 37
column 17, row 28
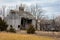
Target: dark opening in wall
column 18, row 26
column 11, row 26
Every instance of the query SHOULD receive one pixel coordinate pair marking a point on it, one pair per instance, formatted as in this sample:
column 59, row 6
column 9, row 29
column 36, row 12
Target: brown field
column 16, row 36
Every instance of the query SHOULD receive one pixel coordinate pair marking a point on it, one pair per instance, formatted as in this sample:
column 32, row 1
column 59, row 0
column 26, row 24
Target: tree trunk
column 36, row 24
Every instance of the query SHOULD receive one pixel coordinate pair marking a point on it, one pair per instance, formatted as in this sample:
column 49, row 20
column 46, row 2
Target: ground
column 17, row 36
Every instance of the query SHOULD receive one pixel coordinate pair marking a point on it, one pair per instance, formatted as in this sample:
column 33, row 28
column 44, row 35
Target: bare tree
column 3, row 11
column 37, row 13
column 57, row 22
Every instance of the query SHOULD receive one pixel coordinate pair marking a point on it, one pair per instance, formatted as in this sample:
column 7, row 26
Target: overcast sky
column 52, row 7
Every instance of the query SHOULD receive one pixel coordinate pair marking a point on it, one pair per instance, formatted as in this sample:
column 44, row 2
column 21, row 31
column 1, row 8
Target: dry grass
column 13, row 36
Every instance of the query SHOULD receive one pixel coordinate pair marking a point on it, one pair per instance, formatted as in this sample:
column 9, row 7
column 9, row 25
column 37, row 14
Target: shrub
column 12, row 29
column 3, row 25
column 31, row 29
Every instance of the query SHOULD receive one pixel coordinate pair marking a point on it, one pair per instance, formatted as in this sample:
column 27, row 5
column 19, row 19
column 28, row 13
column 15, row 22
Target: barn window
column 11, row 26
column 18, row 26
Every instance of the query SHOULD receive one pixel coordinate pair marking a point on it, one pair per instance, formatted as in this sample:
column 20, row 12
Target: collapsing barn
column 19, row 19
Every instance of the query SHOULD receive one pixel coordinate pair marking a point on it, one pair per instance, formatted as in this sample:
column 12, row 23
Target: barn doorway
column 25, row 22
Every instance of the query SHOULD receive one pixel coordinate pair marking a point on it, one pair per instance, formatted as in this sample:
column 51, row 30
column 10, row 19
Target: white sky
column 50, row 6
